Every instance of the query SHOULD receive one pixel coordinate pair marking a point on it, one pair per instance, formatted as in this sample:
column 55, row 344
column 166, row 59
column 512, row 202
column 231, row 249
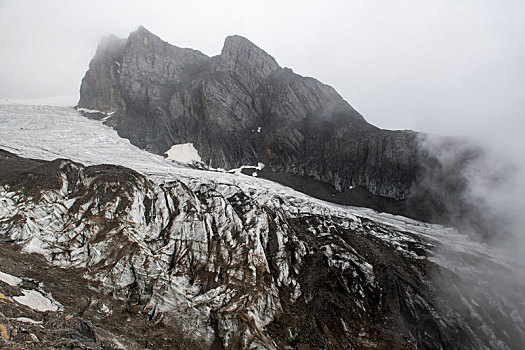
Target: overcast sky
column 455, row 66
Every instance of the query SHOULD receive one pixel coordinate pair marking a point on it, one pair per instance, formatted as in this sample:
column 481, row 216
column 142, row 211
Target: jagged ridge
column 242, row 108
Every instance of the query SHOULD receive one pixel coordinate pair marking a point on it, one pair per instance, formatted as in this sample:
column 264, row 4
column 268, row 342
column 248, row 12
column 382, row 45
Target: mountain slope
column 241, row 108
column 232, row 261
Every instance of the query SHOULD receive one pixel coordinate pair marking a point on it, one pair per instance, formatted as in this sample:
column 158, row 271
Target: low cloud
column 482, row 190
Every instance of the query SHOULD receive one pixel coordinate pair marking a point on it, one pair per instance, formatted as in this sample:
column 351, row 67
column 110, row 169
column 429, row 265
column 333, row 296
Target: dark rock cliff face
column 241, row 108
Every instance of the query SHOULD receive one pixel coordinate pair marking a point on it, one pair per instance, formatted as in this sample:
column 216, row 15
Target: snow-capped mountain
column 220, row 260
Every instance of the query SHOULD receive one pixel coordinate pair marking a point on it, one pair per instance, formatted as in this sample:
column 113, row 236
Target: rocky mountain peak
column 241, row 108
column 112, row 45
column 143, row 35
column 245, row 58
column 147, row 46
column 143, row 29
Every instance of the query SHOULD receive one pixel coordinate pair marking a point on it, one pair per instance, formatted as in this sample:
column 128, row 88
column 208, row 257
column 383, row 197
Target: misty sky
column 450, row 67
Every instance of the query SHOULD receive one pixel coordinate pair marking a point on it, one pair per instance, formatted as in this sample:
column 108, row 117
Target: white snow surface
column 37, row 301
column 28, row 320
column 184, row 153
column 10, row 279
column 45, row 132
column 238, row 171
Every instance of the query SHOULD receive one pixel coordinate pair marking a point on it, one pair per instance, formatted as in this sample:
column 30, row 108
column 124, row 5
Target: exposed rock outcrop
column 242, row 108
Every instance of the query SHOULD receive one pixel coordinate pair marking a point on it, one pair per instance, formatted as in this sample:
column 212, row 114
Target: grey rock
column 100, row 89
column 242, row 108
column 242, row 58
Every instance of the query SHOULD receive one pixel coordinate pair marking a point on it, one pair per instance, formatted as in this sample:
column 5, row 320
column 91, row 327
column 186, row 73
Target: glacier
column 243, row 261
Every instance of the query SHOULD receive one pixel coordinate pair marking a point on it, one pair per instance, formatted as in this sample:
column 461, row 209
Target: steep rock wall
column 242, row 108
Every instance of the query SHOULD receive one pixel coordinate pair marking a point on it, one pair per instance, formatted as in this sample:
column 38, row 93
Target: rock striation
column 241, row 108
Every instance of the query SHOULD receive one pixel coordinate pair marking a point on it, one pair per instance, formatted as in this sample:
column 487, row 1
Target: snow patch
column 108, row 115
column 10, row 279
column 37, row 301
column 238, row 171
column 27, row 320
column 87, row 110
column 35, row 245
column 184, row 153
